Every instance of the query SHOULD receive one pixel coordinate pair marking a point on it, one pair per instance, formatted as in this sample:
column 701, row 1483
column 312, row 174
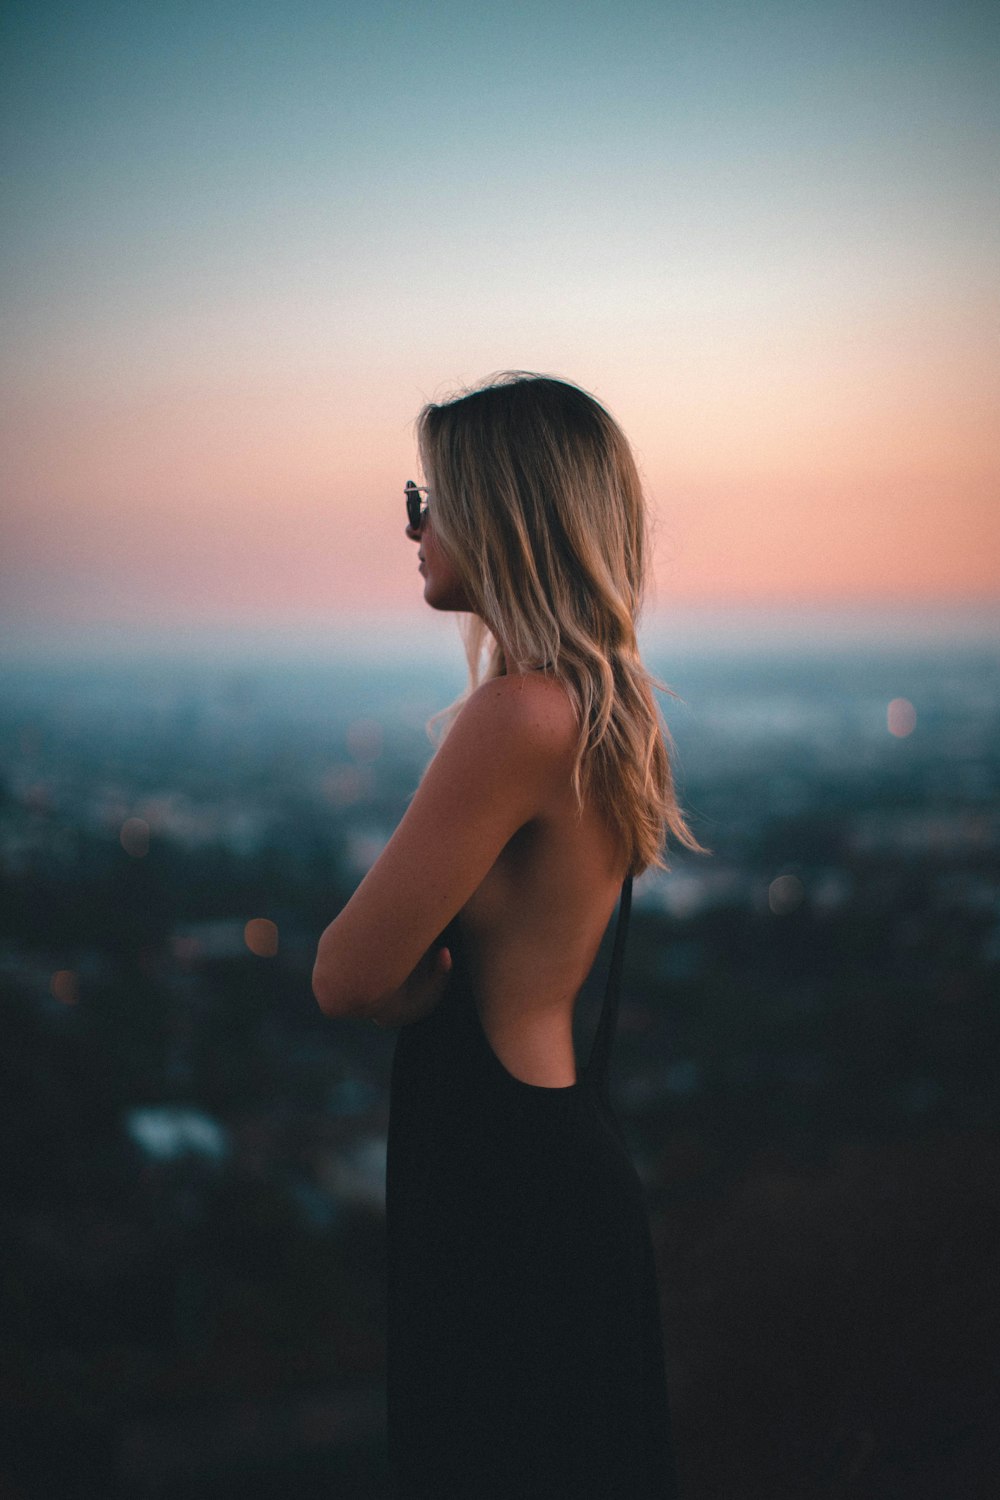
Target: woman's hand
column 420, row 993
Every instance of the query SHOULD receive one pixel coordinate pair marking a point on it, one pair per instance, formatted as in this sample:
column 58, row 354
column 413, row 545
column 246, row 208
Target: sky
column 242, row 245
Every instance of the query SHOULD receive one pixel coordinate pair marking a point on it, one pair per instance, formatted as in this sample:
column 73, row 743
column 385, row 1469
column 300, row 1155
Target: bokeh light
column 345, row 784
column 65, row 986
column 784, row 894
column 186, row 949
column 901, row 717
column 261, row 937
column 134, row 837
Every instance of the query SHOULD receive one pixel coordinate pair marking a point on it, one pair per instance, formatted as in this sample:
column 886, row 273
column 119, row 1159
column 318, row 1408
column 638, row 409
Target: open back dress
column 525, row 1356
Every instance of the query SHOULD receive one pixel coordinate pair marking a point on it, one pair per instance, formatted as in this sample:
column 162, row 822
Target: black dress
column 525, row 1354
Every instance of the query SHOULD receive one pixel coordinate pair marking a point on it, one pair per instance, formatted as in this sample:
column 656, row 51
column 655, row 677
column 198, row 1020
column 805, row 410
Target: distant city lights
column 134, row 836
column 261, row 937
column 65, row 986
column 901, row 717
column 168, row 1132
column 784, row 894
column 346, row 784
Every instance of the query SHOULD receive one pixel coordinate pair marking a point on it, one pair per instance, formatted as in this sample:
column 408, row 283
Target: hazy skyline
column 244, row 244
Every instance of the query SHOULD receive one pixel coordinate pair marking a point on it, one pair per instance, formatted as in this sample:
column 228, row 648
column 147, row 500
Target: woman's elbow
column 324, row 994
column 334, row 995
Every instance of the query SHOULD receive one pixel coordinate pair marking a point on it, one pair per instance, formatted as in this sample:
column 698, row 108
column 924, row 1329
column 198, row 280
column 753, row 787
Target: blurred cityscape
column 806, row 1068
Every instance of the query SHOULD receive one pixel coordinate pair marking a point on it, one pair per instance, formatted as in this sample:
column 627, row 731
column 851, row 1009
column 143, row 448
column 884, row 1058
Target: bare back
column 534, row 925
column 494, row 836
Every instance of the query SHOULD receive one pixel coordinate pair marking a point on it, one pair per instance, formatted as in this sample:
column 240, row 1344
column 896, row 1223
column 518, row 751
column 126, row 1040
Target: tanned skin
column 493, row 832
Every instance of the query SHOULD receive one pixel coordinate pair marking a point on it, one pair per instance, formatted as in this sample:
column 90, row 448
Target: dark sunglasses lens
column 414, row 507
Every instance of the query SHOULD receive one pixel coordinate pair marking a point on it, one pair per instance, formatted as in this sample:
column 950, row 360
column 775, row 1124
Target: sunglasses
column 416, row 508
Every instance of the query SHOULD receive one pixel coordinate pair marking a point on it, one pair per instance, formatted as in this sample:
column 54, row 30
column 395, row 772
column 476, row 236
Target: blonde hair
column 537, row 503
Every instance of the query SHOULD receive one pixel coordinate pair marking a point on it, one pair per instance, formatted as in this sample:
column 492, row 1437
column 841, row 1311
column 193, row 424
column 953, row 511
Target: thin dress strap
column 598, row 1064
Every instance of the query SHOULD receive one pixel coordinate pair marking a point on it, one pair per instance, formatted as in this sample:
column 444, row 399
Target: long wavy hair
column 537, row 503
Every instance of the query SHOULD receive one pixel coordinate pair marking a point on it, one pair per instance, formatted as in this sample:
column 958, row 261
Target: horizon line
column 739, row 628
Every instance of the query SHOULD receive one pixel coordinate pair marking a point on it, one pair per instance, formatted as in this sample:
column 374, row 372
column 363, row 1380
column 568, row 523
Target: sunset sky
column 243, row 243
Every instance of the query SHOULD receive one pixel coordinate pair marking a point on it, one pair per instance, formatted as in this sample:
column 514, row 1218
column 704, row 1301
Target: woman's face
column 443, row 589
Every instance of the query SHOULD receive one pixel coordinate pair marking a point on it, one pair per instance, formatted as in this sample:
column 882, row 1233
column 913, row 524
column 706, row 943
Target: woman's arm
column 508, row 751
column 419, row 993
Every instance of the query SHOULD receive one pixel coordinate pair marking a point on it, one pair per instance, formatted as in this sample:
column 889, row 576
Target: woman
column 525, row 1355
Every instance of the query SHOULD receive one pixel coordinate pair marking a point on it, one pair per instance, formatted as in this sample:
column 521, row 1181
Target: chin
column 444, row 605
column 448, row 601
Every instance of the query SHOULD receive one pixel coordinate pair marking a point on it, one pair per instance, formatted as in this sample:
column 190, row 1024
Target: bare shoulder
column 528, row 712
